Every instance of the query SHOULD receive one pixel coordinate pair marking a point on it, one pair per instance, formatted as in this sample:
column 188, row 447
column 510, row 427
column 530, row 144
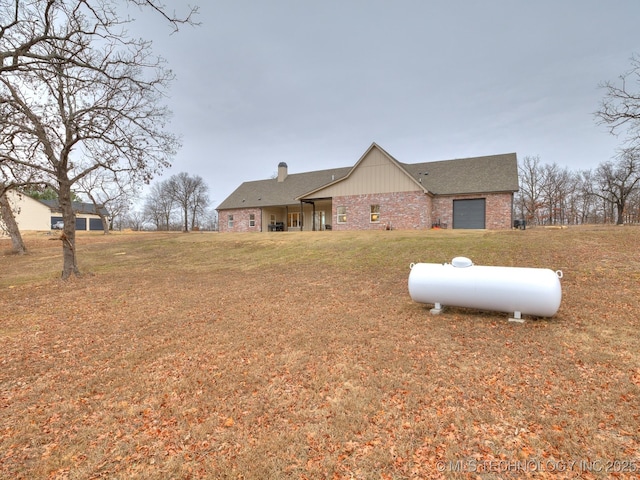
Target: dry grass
column 301, row 356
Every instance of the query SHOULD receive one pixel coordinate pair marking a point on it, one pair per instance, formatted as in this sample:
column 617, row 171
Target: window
column 375, row 213
column 293, row 220
column 252, row 219
column 272, row 219
column 342, row 215
column 230, row 221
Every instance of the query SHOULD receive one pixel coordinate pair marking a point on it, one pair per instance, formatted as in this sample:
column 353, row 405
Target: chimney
column 282, row 171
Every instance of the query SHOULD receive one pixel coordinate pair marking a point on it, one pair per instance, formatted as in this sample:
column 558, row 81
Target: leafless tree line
column 552, row 195
column 180, row 202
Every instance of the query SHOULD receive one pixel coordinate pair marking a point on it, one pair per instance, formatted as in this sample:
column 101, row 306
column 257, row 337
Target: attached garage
column 469, row 213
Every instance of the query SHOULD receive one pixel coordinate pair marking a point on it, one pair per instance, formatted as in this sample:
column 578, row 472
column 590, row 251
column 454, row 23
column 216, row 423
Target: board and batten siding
column 375, row 173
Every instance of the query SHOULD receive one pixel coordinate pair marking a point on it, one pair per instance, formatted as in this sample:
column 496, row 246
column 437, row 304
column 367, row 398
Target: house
column 32, row 214
column 378, row 192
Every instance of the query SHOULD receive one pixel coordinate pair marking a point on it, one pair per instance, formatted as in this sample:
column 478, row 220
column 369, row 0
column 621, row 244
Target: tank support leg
column 517, row 317
column 437, row 309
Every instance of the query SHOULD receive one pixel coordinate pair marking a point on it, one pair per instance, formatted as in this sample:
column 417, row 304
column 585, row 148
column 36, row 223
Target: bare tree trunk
column 98, row 209
column 620, row 207
column 68, row 236
column 11, row 225
column 193, row 217
column 105, row 224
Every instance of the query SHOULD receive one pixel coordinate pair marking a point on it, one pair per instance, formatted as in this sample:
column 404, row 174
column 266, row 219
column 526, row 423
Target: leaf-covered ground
column 302, row 356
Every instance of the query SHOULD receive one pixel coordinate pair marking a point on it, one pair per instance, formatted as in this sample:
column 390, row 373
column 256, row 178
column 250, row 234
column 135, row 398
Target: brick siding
column 240, row 220
column 399, row 210
column 498, row 210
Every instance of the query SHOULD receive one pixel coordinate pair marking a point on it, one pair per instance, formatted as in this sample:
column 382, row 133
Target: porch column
column 313, row 216
column 301, row 215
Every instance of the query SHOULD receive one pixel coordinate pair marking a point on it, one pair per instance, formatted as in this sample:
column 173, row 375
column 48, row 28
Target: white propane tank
column 530, row 291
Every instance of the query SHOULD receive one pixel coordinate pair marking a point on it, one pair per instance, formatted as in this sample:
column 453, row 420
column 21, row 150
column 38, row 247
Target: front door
column 318, row 220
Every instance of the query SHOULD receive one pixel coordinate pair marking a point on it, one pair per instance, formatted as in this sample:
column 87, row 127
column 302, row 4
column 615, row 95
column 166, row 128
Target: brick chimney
column 282, row 171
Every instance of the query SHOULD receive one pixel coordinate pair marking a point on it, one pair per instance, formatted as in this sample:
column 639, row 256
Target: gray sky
column 314, row 83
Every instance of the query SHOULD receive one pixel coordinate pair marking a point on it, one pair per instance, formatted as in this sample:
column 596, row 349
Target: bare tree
column 632, row 214
column 209, row 220
column 159, row 206
column 198, row 206
column 620, row 108
column 134, row 219
column 583, row 202
column 108, row 192
column 618, row 181
column 190, row 193
column 556, row 187
column 27, row 26
column 550, row 194
column 8, row 223
column 530, row 194
column 12, row 178
column 571, row 202
column 78, row 95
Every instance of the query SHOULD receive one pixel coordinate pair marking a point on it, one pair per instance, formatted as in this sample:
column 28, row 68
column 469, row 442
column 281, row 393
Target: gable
column 375, row 172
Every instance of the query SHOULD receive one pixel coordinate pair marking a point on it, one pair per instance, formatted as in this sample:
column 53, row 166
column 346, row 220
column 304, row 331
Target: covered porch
column 307, row 215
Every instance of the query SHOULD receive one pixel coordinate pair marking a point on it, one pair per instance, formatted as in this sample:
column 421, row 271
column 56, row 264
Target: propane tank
column 530, row 291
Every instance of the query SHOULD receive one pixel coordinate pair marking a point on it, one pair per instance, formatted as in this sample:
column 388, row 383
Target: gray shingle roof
column 267, row 193
column 493, row 173
column 78, row 207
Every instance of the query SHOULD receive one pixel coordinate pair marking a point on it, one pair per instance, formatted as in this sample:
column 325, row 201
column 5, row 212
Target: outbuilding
column 40, row 215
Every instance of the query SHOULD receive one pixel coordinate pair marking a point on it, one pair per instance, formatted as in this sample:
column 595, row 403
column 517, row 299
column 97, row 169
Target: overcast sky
column 314, row 83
